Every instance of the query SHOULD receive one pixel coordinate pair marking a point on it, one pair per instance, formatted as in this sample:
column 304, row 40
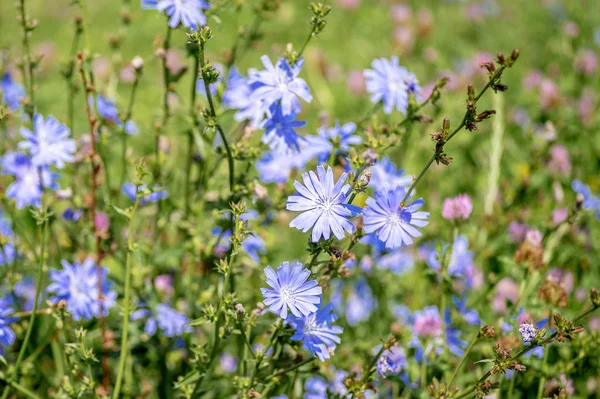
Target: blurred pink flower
column 101, row 67
column 459, row 207
column 425, row 22
column 564, row 276
column 559, row 215
column 475, row 12
column 534, row 238
column 586, row 62
column 404, row 38
column 164, row 284
column 587, row 106
column 506, row 290
column 102, row 222
column 431, row 54
column 571, row 29
column 348, row 4
column 401, row 13
column 517, row 231
column 560, row 162
column 127, row 74
column 356, row 82
column 533, row 79
column 549, row 94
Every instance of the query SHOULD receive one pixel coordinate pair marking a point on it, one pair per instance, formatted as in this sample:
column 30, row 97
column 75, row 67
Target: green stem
column 292, row 368
column 462, row 360
column 124, row 134
column 28, row 61
column 511, row 386
column 38, row 288
column 125, row 328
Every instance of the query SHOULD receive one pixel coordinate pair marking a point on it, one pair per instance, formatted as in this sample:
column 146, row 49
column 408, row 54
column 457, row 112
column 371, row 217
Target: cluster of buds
column 487, row 331
column 440, row 139
column 553, row 292
column 565, row 329
column 439, row 390
column 320, row 11
column 483, row 389
column 504, row 361
column 472, row 117
column 530, row 252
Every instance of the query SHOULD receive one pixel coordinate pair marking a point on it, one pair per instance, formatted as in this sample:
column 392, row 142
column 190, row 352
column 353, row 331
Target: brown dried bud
column 553, row 292
column 514, row 55
column 487, row 331
column 485, row 115
column 595, row 297
column 490, row 66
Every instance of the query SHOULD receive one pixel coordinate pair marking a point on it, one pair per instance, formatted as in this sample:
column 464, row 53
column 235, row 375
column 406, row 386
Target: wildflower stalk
column 165, row 104
column 463, row 359
column 523, row 351
column 94, row 179
column 69, row 74
column 190, row 143
column 213, row 115
column 32, row 316
column 127, row 305
column 440, row 146
column 540, row 391
column 124, row 135
column 260, row 357
column 29, row 77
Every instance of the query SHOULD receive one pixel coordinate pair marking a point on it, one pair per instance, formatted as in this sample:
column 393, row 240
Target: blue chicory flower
column 237, row 96
column 322, row 204
column 316, row 332
column 291, row 290
column 11, row 92
column 49, row 144
column 392, row 223
column 338, row 138
column 276, row 166
column 185, row 12
column 385, row 176
column 280, row 133
column 172, row 322
column 279, row 85
column 359, row 302
column 77, row 284
column 590, row 201
column 129, row 190
column 27, row 189
column 7, row 335
column 391, row 84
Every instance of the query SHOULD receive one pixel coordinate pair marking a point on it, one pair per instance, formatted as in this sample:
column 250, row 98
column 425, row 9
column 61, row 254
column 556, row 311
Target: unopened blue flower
column 316, row 331
column 392, row 223
column 590, row 201
column 391, row 361
column 185, row 12
column 276, row 166
column 280, row 85
column 49, row 144
column 11, row 92
column 359, row 302
column 338, row 137
column 390, row 83
column 237, row 96
column 77, row 284
column 27, row 189
column 323, row 205
column 280, row 133
column 7, row 335
column 172, row 322
column 72, row 215
column 385, row 176
column 129, row 190
column 528, row 332
column 291, row 290
column 106, row 109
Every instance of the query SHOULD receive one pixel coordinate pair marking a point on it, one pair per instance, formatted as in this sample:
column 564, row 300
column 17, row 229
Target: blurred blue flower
column 72, row 215
column 186, row 12
column 392, row 223
column 7, row 254
column 461, row 259
column 77, row 284
column 254, row 246
column 590, row 201
column 359, row 302
column 7, row 335
column 25, row 293
column 279, row 130
column 50, row 144
column 11, row 92
column 316, row 332
column 237, row 96
column 129, row 190
column 172, row 322
column 317, row 387
column 279, row 85
column 338, row 138
column 471, row 316
column 229, row 363
column 291, row 290
column 276, row 166
column 106, row 109
column 398, row 261
column 322, row 205
column 390, row 83
column 385, row 176
column 27, row 189
column 131, row 128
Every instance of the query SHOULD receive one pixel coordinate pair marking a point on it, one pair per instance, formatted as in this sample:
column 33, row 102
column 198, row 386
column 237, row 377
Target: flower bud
column 137, row 63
